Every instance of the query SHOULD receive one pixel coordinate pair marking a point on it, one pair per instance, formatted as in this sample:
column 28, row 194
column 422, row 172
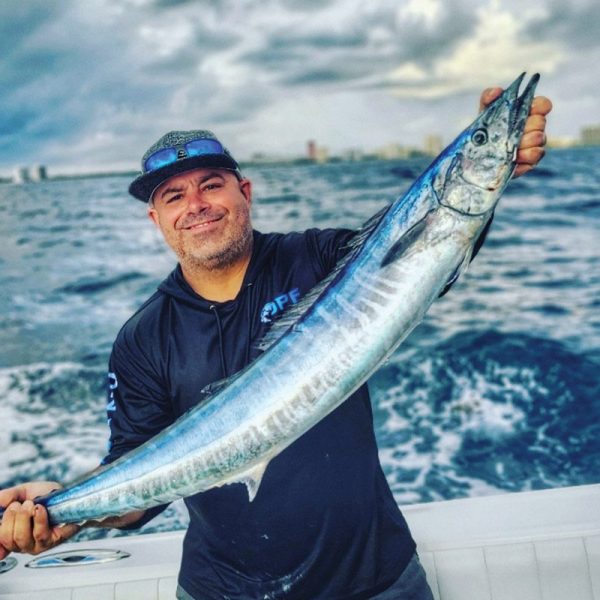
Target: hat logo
column 181, row 153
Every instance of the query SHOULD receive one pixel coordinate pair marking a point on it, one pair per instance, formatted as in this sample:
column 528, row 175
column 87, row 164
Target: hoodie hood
column 236, row 313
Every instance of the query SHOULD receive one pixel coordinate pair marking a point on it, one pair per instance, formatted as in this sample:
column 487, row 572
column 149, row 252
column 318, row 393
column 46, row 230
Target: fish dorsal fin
column 291, row 316
column 252, row 478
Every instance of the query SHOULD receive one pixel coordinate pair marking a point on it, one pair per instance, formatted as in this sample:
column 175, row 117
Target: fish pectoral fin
column 252, row 478
column 404, row 243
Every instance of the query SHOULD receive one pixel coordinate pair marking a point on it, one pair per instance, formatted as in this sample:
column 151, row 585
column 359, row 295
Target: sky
column 88, row 86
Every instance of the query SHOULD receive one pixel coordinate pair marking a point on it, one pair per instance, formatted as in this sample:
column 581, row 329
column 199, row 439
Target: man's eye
column 173, row 198
column 211, row 186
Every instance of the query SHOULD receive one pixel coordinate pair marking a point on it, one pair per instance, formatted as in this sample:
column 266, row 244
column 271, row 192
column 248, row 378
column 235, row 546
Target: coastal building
column 561, row 142
column 393, row 151
column 33, row 173
column 20, row 175
column 316, row 153
column 38, row 173
column 352, row 154
column 590, row 136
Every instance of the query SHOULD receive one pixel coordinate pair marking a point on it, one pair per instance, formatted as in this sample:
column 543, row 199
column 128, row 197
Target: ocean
column 498, row 390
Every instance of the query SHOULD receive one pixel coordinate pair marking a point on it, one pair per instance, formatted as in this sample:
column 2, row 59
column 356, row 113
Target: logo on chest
column 276, row 306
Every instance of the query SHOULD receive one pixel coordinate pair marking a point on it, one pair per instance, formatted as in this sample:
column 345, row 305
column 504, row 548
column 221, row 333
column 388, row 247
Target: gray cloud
column 206, row 4
column 103, row 78
column 424, row 43
column 307, row 5
column 367, row 45
column 576, row 23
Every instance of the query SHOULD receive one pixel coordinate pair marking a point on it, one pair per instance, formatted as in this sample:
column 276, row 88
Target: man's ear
column 153, row 216
column 246, row 189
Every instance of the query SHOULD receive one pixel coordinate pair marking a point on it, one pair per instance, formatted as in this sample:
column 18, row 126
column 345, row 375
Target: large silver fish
column 341, row 332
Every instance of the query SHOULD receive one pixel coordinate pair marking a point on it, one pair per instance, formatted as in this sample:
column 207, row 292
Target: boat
column 533, row 545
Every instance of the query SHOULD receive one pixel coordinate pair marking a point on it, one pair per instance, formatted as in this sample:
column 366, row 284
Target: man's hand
column 531, row 149
column 25, row 526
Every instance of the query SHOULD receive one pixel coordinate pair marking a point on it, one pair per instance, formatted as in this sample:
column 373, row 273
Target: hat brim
column 143, row 187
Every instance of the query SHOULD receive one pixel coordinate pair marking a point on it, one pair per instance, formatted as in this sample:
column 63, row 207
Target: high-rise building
column 28, row 174
column 38, row 173
column 20, row 175
column 590, row 136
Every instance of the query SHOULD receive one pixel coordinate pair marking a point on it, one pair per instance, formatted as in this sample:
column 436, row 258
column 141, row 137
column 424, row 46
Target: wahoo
column 332, row 341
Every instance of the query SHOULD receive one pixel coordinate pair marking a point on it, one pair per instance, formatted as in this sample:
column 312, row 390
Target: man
column 324, row 523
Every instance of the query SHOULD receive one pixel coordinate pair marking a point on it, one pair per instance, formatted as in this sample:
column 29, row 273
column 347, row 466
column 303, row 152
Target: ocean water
column 498, row 390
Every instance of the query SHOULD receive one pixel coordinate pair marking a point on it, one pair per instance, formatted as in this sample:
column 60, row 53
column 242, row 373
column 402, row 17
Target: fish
column 332, row 341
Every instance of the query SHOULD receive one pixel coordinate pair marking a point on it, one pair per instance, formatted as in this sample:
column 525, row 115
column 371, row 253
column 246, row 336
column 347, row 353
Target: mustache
column 199, row 219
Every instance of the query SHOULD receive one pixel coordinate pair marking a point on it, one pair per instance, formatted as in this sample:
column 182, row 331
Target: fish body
column 339, row 335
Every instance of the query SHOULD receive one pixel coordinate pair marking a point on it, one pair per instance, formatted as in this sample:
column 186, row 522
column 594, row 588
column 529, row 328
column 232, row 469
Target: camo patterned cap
column 173, row 146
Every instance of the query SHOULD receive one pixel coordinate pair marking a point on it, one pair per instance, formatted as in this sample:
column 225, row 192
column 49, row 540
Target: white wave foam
column 43, row 440
column 420, row 443
column 47, row 441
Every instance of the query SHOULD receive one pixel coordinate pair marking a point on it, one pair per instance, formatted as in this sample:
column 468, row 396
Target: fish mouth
column 518, row 108
column 521, row 105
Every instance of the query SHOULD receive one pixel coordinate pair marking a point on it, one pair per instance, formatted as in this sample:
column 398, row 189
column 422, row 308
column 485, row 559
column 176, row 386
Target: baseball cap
column 177, row 152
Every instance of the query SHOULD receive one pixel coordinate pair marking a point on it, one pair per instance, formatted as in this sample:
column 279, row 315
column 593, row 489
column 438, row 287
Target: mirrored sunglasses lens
column 198, row 147
column 160, row 159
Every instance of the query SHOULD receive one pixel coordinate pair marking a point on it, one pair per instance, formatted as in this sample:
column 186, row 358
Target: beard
column 218, row 251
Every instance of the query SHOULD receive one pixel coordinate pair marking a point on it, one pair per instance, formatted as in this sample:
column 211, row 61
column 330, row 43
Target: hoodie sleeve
column 137, row 407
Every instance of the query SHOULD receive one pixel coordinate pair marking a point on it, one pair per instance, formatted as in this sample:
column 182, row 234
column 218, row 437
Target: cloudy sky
column 90, row 85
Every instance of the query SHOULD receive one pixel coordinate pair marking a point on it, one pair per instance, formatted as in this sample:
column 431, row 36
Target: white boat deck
column 526, row 546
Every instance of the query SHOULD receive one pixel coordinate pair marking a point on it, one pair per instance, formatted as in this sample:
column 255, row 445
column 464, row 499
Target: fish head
column 474, row 170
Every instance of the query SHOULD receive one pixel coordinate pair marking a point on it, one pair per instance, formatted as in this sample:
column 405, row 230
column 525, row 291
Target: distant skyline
column 89, row 86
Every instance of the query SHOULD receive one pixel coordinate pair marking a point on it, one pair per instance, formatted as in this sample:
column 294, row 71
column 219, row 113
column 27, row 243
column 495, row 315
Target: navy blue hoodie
column 324, row 524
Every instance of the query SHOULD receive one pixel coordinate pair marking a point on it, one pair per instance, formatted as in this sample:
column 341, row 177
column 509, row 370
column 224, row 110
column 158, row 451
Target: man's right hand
column 25, row 526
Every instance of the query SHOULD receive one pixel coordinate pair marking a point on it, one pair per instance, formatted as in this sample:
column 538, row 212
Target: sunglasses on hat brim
column 167, row 156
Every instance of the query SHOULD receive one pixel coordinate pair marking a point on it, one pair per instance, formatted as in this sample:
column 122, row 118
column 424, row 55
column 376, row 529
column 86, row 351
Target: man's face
column 204, row 215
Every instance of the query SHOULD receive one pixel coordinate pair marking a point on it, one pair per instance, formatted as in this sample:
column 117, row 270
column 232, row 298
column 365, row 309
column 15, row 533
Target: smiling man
column 324, row 524
column 204, row 215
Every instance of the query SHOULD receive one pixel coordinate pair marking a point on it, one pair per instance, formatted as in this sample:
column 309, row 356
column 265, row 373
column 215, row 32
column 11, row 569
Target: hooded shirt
column 324, row 523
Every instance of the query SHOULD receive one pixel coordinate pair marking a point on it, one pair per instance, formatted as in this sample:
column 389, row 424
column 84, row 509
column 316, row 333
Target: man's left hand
column 531, row 149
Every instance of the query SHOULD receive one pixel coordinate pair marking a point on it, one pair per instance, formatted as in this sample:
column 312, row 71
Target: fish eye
column 479, row 137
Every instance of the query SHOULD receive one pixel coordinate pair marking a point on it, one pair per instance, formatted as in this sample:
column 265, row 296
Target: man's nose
column 197, row 201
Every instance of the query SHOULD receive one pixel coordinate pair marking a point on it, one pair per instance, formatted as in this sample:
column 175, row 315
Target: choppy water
column 498, row 390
